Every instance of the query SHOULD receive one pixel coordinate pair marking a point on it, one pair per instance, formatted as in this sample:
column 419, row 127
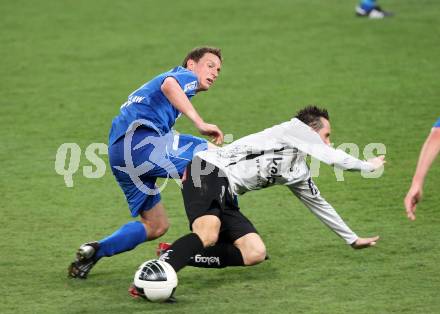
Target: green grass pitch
column 66, row 66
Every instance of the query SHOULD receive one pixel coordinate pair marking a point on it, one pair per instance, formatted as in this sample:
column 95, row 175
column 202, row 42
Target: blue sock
column 368, row 5
column 122, row 240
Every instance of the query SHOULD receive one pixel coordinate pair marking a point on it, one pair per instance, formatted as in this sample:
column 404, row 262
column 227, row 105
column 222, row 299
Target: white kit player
column 221, row 235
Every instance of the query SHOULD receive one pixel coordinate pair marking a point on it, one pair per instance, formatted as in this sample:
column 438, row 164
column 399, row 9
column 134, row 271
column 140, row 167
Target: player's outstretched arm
column 429, row 152
column 345, row 161
column 362, row 243
column 172, row 90
column 305, row 139
column 309, row 195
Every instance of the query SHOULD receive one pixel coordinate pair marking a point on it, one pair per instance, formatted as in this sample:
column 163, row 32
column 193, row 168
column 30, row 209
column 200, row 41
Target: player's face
column 324, row 132
column 207, row 70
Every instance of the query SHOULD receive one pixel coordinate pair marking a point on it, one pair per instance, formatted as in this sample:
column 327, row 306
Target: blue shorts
column 149, row 156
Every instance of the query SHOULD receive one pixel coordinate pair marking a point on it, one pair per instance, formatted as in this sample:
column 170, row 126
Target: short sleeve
column 437, row 124
column 186, row 79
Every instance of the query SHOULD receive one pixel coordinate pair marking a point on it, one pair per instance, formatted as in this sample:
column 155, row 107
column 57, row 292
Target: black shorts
column 209, row 194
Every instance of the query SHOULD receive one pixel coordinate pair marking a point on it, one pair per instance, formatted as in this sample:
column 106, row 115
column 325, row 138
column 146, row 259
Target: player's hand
column 211, row 130
column 412, row 198
column 377, row 162
column 362, row 243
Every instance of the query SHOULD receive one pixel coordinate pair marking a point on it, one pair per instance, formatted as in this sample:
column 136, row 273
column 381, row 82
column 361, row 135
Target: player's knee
column 162, row 229
column 155, row 221
column 252, row 249
column 254, row 255
column 208, row 238
column 207, row 228
column 156, row 229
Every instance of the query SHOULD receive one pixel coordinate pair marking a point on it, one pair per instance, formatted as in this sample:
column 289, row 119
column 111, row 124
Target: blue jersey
column 150, row 104
column 437, row 124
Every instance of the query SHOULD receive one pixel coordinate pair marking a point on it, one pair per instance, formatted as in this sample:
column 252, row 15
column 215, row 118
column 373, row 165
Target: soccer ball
column 155, row 280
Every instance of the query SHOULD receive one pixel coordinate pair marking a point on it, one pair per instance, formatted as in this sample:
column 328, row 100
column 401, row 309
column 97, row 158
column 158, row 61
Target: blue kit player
column 143, row 147
column 370, row 9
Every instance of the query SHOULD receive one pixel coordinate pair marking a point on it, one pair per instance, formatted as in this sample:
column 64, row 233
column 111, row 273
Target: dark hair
column 311, row 115
column 197, row 53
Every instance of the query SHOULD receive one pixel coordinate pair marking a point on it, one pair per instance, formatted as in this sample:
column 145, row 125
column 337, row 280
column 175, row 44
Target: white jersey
column 277, row 156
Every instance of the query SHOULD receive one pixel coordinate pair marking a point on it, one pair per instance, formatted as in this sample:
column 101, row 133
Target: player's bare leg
column 155, row 221
column 252, row 249
column 207, row 228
